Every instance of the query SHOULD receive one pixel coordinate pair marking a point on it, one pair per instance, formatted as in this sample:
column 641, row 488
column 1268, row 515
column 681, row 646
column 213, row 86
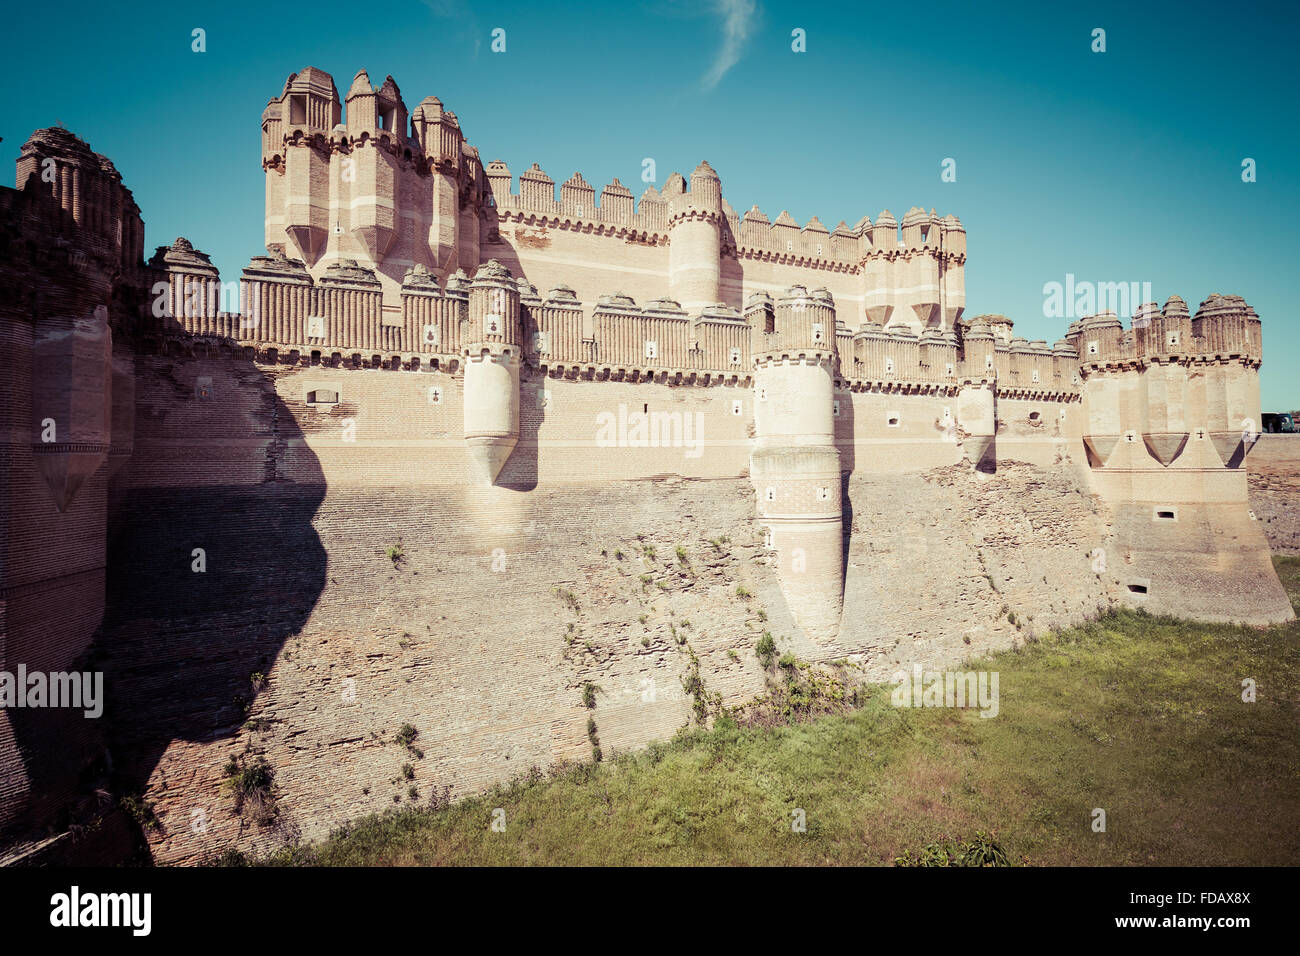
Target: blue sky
column 1123, row 166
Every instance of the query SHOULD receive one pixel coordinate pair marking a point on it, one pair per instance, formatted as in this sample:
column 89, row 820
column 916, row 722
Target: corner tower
column 1172, row 409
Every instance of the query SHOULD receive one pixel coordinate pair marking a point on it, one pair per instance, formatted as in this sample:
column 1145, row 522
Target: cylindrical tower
column 695, row 241
column 491, row 356
column 795, row 465
column 977, row 404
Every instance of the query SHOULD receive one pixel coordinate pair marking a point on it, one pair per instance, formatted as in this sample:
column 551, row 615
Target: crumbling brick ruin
column 439, row 471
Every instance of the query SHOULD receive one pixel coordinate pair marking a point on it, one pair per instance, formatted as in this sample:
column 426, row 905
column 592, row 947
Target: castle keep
column 528, row 392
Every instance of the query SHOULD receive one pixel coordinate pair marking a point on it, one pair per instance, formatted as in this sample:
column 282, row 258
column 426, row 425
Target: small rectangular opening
column 1164, row 513
column 1138, row 588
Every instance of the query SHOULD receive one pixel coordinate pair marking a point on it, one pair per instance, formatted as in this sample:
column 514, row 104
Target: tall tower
column 296, row 130
column 695, row 239
column 795, row 466
column 376, row 133
column 442, row 144
column 72, row 294
column 389, row 189
column 493, row 347
column 920, row 281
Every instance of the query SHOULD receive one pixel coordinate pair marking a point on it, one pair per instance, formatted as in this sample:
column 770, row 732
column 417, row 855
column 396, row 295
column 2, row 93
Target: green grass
column 1139, row 715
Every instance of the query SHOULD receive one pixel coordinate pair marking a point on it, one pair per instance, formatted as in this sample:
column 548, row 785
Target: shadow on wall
column 519, row 473
column 181, row 647
column 844, row 425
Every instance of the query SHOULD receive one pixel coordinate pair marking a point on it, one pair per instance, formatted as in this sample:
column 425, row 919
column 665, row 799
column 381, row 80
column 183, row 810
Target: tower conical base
column 487, row 456
column 980, row 450
column 810, row 569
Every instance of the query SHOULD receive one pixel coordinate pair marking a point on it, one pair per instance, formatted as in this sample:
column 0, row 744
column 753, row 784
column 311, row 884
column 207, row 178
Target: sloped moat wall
column 1275, row 490
column 504, row 604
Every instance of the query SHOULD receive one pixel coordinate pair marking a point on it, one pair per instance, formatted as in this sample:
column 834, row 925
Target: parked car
column 1278, row 422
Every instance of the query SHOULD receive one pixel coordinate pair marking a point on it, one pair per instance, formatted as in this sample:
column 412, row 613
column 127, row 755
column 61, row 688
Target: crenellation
column 616, row 204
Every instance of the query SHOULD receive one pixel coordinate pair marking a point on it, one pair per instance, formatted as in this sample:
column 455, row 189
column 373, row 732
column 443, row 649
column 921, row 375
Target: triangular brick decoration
column 64, row 470
column 1228, row 445
column 1165, row 446
column 1099, row 448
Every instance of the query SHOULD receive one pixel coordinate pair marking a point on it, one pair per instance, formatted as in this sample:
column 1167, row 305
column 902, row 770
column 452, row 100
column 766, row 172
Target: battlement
column 1224, row 328
column 753, row 235
column 341, row 319
column 615, row 214
column 365, row 180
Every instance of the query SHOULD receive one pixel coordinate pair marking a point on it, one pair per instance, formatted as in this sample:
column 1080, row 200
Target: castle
column 423, row 334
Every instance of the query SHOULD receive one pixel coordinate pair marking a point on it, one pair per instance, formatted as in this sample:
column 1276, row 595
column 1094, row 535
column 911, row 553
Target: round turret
column 695, row 239
column 795, row 465
column 491, row 359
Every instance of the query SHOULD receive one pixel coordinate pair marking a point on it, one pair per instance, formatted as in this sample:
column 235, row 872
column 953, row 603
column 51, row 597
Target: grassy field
column 1140, row 716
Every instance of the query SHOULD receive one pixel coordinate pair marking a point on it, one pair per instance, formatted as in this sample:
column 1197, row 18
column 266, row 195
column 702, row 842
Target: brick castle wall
column 468, row 640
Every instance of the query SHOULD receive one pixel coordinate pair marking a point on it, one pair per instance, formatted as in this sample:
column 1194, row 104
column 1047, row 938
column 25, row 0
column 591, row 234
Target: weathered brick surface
column 470, row 638
column 1274, row 482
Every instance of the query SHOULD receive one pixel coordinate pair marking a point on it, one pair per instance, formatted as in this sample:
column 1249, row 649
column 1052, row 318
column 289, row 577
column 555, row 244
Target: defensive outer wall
column 609, row 442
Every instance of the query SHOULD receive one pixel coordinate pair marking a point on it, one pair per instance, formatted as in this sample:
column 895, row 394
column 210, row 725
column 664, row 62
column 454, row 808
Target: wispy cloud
column 466, row 23
column 738, row 19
